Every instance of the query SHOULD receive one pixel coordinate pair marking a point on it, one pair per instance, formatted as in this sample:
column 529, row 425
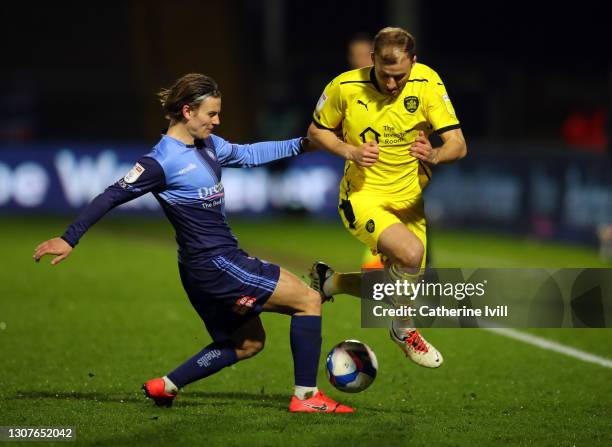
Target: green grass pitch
column 78, row 339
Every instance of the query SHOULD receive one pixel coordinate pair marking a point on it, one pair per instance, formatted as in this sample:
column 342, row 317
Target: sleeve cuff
column 302, row 143
column 447, row 128
column 320, row 126
column 68, row 241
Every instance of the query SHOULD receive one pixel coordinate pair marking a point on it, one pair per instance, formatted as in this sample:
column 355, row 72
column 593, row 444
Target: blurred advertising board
column 549, row 194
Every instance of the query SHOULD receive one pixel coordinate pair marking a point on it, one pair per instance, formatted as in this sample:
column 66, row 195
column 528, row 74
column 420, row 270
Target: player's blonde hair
column 394, row 37
column 191, row 89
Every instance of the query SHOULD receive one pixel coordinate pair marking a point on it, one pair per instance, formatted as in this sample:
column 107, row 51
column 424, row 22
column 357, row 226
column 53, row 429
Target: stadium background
column 533, row 91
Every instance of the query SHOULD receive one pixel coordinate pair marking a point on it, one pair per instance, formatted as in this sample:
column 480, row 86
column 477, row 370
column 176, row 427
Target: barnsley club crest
column 411, row 103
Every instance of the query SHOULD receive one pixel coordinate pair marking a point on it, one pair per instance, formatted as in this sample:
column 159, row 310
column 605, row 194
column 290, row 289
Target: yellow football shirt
column 355, row 101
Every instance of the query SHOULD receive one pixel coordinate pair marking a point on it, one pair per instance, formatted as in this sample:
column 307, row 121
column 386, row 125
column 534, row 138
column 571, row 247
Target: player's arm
column 453, row 147
column 441, row 115
column 365, row 155
column 147, row 175
column 257, row 154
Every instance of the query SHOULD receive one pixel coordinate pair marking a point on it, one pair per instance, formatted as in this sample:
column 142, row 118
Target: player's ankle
column 169, row 386
column 399, row 325
column 305, row 392
column 329, row 286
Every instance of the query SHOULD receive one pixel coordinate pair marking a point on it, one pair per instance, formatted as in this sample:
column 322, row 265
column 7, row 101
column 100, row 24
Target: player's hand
column 366, row 154
column 56, row 246
column 421, row 149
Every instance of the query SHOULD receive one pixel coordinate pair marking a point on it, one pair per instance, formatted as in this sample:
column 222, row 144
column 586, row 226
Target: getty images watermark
column 489, row 298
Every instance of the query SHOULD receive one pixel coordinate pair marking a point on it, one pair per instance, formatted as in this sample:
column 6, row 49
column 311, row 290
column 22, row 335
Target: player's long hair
column 191, row 89
column 395, row 37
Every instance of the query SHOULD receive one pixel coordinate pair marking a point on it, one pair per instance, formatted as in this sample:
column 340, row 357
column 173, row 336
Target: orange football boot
column 319, row 403
column 156, row 389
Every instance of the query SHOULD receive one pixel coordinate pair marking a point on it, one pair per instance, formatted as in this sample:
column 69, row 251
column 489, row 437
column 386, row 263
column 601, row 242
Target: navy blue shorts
column 229, row 290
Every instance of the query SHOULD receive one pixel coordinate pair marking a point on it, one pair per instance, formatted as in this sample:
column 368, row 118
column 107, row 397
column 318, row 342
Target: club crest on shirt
column 370, row 226
column 411, row 103
column 134, row 173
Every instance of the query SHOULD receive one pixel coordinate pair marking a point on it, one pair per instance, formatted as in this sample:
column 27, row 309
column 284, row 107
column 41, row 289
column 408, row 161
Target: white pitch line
column 552, row 346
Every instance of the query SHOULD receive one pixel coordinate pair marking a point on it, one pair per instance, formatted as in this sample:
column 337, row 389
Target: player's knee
column 311, row 304
column 410, row 256
column 249, row 348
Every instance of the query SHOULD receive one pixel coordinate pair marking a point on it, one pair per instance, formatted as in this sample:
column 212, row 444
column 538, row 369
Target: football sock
column 305, row 337
column 399, row 324
column 305, row 392
column 396, row 273
column 169, row 386
column 349, row 283
column 211, row 359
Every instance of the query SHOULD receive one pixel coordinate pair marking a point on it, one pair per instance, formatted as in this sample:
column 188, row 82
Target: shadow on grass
column 78, row 395
column 186, row 399
column 257, row 397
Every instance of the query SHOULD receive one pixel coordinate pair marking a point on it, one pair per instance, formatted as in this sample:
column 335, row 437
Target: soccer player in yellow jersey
column 387, row 111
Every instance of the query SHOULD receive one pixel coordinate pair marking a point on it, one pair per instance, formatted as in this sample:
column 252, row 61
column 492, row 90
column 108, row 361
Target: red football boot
column 156, row 389
column 319, row 403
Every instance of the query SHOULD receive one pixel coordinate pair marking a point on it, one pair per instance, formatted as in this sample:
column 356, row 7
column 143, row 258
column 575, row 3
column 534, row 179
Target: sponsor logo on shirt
column 211, row 192
column 186, row 169
column 212, row 195
column 365, row 104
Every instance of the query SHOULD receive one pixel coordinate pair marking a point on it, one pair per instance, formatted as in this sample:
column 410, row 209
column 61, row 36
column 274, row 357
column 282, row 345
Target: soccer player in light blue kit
column 227, row 287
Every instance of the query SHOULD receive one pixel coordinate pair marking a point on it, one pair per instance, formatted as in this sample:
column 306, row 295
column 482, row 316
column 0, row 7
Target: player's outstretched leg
column 211, row 359
column 294, row 298
column 244, row 343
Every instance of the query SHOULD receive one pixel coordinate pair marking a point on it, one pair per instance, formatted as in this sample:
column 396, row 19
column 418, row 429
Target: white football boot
column 416, row 348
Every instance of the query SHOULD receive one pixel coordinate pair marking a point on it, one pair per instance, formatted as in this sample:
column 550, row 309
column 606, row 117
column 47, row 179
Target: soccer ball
column 351, row 366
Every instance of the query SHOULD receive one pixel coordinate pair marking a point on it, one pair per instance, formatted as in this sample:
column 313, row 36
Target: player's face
column 392, row 77
column 203, row 120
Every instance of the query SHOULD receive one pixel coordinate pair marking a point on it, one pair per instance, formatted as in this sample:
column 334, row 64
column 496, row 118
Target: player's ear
column 372, row 57
column 186, row 111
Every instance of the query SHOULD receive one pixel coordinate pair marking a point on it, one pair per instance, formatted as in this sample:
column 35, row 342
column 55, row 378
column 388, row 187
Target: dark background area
column 515, row 71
